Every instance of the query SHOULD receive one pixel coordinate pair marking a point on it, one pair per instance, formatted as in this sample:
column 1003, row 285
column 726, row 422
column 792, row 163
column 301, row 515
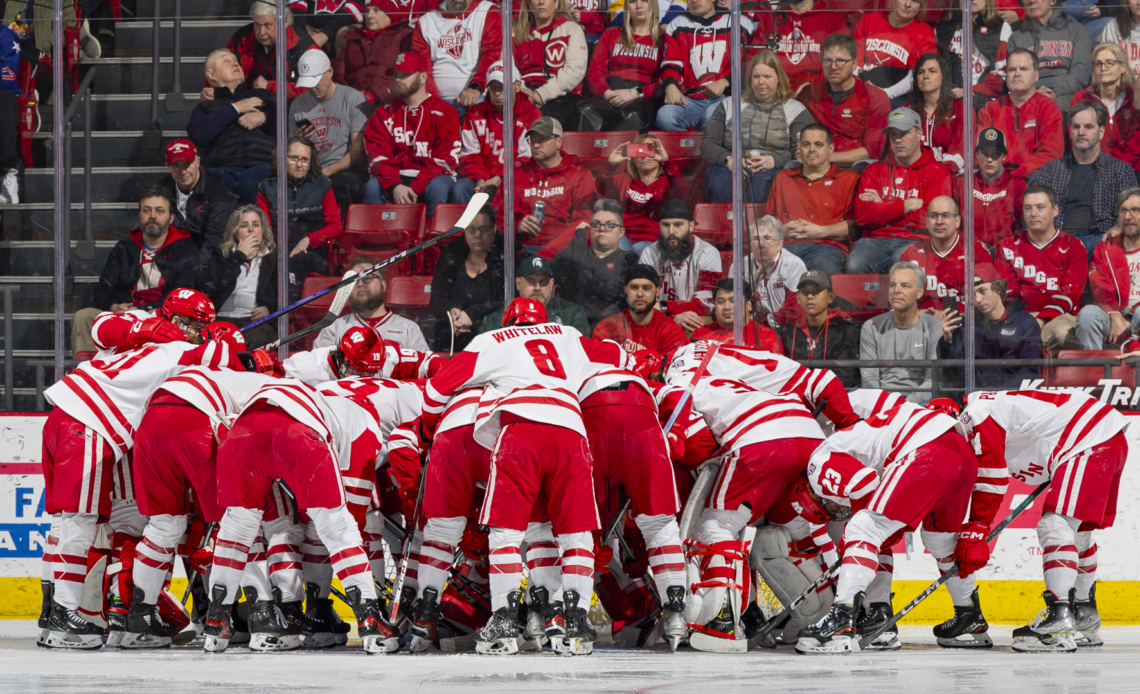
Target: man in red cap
column 412, row 142
column 202, row 201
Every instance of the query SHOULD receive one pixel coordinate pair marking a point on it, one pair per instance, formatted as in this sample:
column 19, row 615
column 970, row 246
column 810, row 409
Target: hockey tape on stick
column 819, row 407
column 953, row 570
column 473, row 208
column 409, row 537
column 338, row 303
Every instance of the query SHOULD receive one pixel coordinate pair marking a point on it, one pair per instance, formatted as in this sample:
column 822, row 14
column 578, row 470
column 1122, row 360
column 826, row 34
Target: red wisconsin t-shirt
column 661, row 335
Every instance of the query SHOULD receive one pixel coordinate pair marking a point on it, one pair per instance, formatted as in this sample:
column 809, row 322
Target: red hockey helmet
column 362, row 351
column 223, row 331
column 647, row 363
column 524, row 312
column 188, row 309
column 946, row 406
column 807, row 504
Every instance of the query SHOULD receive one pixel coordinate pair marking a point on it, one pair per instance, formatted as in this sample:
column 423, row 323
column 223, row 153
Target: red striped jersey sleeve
column 993, row 474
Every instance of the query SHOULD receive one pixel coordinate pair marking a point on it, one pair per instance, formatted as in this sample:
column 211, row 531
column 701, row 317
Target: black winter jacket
column 219, row 275
column 214, row 128
column 207, row 210
column 1016, row 336
column 838, row 338
column 177, row 261
column 598, row 287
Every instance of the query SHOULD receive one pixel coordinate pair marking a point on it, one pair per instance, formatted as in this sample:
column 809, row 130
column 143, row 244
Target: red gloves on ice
column 972, row 551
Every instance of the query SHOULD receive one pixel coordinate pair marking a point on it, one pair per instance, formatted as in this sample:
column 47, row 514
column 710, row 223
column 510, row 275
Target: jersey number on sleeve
column 545, row 358
column 114, row 366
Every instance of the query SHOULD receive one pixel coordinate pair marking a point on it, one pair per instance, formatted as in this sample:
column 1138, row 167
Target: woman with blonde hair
column 770, row 123
column 551, row 55
column 240, row 275
column 1112, row 87
column 624, row 72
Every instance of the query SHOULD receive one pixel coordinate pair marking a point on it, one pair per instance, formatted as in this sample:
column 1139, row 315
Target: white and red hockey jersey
column 110, row 392
column 389, row 403
column 700, row 445
column 315, row 367
column 765, row 371
column 739, row 415
column 220, row 394
column 532, row 371
column 945, row 272
column 460, row 47
column 606, row 377
column 420, row 143
column 687, row 285
column 1048, row 278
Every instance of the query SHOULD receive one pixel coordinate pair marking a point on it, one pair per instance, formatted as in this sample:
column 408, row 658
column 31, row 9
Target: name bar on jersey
column 525, row 331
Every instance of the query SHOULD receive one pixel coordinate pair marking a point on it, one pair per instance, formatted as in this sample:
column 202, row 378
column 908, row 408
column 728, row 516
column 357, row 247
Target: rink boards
column 1010, row 587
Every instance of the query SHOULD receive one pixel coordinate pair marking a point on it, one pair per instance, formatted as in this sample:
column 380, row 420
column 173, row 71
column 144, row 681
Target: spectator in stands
column 591, row 271
column 328, row 20
column 853, row 110
column 593, row 22
column 640, row 325
column 1044, row 267
column 641, row 185
column 815, row 202
column 412, row 142
column 755, row 334
column 997, row 192
column 623, row 74
column 365, row 63
column 1002, row 330
column 240, row 274
column 314, row 215
column 481, row 159
column 460, row 39
column 557, row 180
column 942, row 256
column 770, row 124
column 668, row 10
column 894, row 194
column 332, row 117
column 140, row 270
column 255, row 46
column 1115, row 281
column 795, row 34
column 236, row 129
column 550, row 51
column 774, row 273
column 695, row 69
column 889, row 44
column 822, row 330
column 1029, row 146
column 10, row 94
column 202, row 201
column 1087, row 181
column 1112, row 89
column 942, row 121
column 901, row 334
column 1124, row 30
column 368, row 310
column 1066, row 59
column 990, row 36
column 689, row 267
column 534, row 279
column 467, row 284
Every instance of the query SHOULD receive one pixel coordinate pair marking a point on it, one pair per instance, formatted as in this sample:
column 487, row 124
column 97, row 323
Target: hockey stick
column 953, row 570
column 473, row 208
column 338, row 303
column 799, row 599
column 409, row 537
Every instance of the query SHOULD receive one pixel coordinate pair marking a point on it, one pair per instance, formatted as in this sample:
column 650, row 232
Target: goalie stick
column 953, row 570
column 473, row 208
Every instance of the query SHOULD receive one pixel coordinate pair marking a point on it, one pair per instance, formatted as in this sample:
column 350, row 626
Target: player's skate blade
column 834, row 634
column 1052, row 631
column 981, row 640
column 418, row 644
column 966, row 629
column 1057, row 643
column 274, row 642
column 67, row 629
column 500, row 635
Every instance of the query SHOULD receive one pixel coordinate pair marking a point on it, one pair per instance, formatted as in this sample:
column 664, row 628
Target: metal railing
column 85, row 249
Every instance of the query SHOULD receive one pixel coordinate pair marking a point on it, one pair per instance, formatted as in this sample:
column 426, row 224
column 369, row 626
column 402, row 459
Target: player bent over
column 900, row 469
column 534, row 369
column 1077, row 444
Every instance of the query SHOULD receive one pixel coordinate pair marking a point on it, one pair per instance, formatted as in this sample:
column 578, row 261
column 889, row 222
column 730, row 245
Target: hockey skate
column 373, row 627
column 675, row 629
column 580, row 635
column 423, row 625
column 835, row 634
column 966, row 629
column 1052, row 631
column 68, row 629
column 545, row 620
column 325, row 627
column 722, row 634
column 873, row 616
column 1088, row 620
column 47, row 589
column 500, row 635
column 240, row 635
column 268, row 629
column 145, row 627
column 116, row 621
column 219, row 629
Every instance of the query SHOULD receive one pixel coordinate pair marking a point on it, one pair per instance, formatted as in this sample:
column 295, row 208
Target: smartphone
column 304, row 123
column 949, row 303
column 643, row 150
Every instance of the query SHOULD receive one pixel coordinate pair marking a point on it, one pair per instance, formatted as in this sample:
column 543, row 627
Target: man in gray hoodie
column 1062, row 46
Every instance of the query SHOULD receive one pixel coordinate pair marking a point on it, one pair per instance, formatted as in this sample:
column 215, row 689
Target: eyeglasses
column 836, row 62
column 298, row 160
column 608, row 226
column 941, row 215
column 481, row 230
column 367, row 279
column 1106, row 63
column 538, row 139
column 1130, row 211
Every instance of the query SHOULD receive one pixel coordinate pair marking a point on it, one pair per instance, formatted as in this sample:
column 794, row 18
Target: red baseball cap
column 985, row 272
column 410, row 63
column 180, row 150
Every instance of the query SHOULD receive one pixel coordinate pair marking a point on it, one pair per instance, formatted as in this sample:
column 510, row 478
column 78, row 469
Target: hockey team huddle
column 268, row 478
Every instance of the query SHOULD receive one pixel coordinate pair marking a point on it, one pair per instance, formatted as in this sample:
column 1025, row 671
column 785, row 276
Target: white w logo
column 707, row 57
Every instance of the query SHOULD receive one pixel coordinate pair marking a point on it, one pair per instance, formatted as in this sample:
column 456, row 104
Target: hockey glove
column 676, row 446
column 603, row 554
column 153, row 330
column 474, row 541
column 262, row 362
column 972, row 551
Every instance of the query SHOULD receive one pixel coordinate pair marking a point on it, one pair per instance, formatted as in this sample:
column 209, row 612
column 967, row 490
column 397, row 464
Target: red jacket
column 1050, row 278
column 661, row 335
column 421, row 142
column 756, row 335
column 613, row 59
column 925, row 179
column 642, row 202
column 1034, row 132
column 944, row 137
column 482, row 154
column 567, row 189
column 945, row 274
column 997, row 206
column 257, row 61
column 1122, row 134
column 857, row 121
column 1109, row 276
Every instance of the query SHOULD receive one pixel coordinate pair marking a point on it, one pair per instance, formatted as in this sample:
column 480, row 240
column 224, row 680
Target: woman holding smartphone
column 640, row 176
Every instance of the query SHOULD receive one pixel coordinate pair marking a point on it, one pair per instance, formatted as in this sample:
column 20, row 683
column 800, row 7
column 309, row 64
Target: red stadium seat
column 446, row 215
column 1084, row 376
column 865, row 291
column 313, row 311
column 369, row 229
column 594, row 148
column 714, row 222
column 409, row 296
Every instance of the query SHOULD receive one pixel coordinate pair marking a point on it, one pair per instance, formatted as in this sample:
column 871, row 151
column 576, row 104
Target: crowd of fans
column 853, row 153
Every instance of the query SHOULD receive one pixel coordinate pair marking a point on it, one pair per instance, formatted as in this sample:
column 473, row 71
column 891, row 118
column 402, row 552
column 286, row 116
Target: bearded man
column 368, row 310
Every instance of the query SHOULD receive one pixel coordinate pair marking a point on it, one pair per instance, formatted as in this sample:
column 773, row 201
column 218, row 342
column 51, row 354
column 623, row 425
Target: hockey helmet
column 188, row 309
column 524, row 312
column 647, row 363
column 806, row 503
column 946, row 406
column 362, row 353
column 224, row 331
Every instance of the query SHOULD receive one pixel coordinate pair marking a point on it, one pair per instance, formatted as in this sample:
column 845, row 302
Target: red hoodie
column 756, row 335
column 1122, row 134
column 482, row 155
column 1034, row 131
column 997, row 206
column 568, row 191
column 1111, row 276
column 421, row 142
column 926, row 179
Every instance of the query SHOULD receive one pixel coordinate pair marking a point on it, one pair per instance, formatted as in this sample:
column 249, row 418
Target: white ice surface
column 919, row 667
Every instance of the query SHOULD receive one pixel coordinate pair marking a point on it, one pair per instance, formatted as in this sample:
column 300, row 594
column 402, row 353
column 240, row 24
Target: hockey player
column 898, row 470
column 1077, row 444
column 535, row 370
column 91, row 429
